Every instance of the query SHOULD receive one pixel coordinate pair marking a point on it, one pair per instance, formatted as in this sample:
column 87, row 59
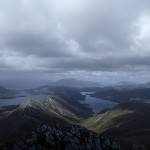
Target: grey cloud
column 58, row 37
column 127, row 64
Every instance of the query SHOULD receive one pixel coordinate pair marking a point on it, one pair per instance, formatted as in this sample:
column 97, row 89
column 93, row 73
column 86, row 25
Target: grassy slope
column 128, row 122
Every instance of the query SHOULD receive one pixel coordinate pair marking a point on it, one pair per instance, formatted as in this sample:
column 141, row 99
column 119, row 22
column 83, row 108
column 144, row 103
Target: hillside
column 128, row 121
column 59, row 103
column 53, row 110
column 19, row 122
column 123, row 93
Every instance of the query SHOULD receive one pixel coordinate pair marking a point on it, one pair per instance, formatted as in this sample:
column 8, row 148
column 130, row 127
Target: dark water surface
column 22, row 96
column 97, row 104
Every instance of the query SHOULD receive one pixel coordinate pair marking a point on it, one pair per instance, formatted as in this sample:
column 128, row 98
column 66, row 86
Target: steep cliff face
column 74, row 138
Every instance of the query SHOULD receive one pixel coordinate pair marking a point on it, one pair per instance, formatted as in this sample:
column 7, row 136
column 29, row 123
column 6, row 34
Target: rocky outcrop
column 74, row 138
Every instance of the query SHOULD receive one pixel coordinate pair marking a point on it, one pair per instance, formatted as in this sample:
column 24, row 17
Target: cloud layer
column 69, row 37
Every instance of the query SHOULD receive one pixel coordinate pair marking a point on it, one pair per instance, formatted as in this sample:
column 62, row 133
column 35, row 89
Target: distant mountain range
column 7, row 93
column 75, row 83
column 123, row 93
column 128, row 122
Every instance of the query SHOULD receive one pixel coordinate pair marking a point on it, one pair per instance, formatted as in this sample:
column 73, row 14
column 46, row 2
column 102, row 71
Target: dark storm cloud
column 61, row 37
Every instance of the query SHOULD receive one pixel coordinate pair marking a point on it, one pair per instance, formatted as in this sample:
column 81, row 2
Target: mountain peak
column 28, row 103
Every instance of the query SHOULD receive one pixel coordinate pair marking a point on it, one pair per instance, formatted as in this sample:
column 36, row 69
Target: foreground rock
column 74, row 138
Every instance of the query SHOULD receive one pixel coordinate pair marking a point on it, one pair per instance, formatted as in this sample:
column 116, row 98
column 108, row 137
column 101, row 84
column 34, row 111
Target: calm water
column 97, row 104
column 19, row 100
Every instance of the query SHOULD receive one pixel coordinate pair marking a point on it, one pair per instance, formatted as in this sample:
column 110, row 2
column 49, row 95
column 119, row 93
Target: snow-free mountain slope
column 129, row 121
column 19, row 122
column 52, row 110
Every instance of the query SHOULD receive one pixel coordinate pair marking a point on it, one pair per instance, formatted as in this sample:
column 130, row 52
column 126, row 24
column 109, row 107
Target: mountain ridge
column 129, row 121
column 52, row 110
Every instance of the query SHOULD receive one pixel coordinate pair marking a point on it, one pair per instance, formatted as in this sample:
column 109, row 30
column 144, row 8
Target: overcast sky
column 102, row 40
